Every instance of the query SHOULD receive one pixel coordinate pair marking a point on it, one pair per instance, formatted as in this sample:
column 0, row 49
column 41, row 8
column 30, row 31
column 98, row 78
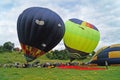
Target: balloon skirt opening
column 29, row 58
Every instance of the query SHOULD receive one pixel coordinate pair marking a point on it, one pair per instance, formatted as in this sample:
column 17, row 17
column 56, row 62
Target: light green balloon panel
column 81, row 36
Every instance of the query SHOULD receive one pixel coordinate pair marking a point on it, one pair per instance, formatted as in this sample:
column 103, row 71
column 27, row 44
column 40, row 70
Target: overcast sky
column 104, row 14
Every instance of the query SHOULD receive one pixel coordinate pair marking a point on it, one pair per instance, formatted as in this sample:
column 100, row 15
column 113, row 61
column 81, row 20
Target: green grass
column 11, row 57
column 58, row 74
column 53, row 73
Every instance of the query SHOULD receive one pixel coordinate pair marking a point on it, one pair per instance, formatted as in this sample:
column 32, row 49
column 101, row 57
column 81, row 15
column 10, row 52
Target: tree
column 8, row 46
column 56, row 54
column 1, row 48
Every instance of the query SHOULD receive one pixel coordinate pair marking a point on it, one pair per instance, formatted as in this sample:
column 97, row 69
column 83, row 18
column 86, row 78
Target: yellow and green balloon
column 80, row 37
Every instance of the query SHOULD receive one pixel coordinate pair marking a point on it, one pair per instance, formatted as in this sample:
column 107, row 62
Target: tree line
column 53, row 54
column 7, row 46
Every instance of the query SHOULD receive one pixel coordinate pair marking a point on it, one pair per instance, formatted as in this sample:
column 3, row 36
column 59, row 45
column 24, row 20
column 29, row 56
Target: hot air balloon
column 80, row 38
column 39, row 30
column 109, row 54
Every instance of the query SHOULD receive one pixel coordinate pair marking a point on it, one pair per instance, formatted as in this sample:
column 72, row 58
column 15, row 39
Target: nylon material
column 108, row 49
column 71, row 26
column 57, row 34
column 38, row 52
column 70, row 40
column 75, row 31
column 24, row 27
column 97, row 36
column 23, row 48
column 37, row 38
column 72, row 30
column 94, row 42
column 33, row 34
column 84, row 44
column 94, row 33
column 115, row 45
column 75, row 40
column 66, row 40
column 75, row 21
column 87, row 43
column 36, row 34
column 76, row 51
column 53, row 41
column 88, row 25
column 93, row 47
column 42, row 30
column 35, row 28
column 78, row 46
column 78, row 42
column 94, row 58
column 87, row 37
column 84, row 24
column 100, row 50
column 32, row 51
column 89, row 33
column 114, row 54
column 114, row 61
column 21, row 29
column 94, row 62
column 114, row 49
column 58, row 39
column 18, row 27
column 27, row 27
column 86, row 49
column 101, row 55
column 109, row 60
column 105, row 51
column 52, row 34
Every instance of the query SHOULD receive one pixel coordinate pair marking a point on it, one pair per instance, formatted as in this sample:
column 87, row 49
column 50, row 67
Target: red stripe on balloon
column 89, row 25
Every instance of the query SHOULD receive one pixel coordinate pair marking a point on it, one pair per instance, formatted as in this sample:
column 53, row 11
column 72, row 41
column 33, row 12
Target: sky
column 104, row 14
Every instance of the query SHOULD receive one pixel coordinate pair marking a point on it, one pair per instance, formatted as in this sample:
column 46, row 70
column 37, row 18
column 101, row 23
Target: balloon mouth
column 81, row 53
column 29, row 58
column 31, row 53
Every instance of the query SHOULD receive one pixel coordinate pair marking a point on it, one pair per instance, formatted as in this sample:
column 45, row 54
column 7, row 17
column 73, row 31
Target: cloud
column 103, row 14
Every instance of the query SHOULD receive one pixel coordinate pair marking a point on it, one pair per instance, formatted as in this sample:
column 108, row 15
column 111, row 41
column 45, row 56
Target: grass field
column 52, row 73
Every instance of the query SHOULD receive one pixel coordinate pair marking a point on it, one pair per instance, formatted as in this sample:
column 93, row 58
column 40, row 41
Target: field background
column 112, row 73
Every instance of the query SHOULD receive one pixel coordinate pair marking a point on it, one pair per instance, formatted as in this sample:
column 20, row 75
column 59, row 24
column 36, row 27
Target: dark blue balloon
column 40, row 28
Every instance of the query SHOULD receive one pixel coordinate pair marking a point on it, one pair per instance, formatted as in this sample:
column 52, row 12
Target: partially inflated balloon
column 109, row 54
column 39, row 30
column 80, row 37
